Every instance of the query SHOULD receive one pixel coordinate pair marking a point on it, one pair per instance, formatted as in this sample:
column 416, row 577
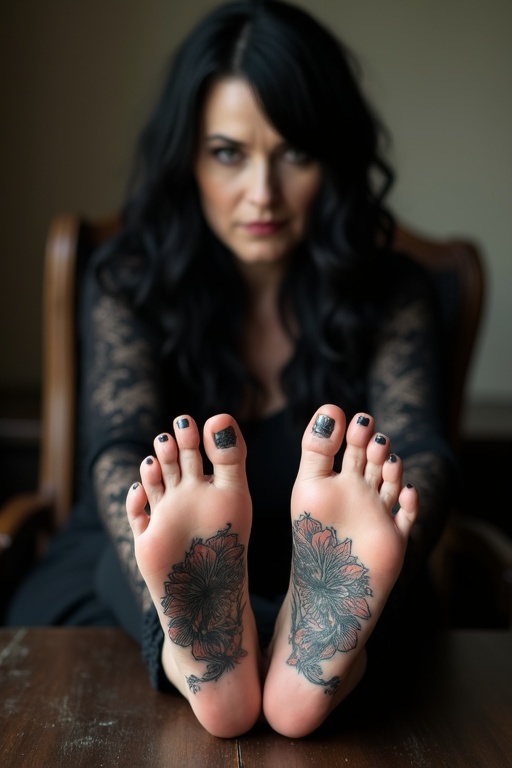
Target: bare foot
column 348, row 552
column 192, row 553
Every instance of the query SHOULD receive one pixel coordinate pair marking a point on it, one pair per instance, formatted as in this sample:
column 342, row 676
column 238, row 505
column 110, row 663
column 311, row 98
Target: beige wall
column 77, row 78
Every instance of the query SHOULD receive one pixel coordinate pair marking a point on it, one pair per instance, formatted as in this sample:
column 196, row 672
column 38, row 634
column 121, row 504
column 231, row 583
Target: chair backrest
column 458, row 271
column 70, row 239
column 455, row 264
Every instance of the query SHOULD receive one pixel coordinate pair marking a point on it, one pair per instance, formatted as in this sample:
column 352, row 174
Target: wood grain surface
column 81, row 697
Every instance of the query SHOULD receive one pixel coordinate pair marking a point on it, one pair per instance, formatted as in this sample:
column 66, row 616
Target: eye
column 226, row 155
column 296, row 156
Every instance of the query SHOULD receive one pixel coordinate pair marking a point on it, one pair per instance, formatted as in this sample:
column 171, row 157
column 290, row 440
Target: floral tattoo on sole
column 203, row 599
column 328, row 599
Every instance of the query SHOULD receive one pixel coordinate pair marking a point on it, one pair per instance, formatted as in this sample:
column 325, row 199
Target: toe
column 136, row 501
column 359, row 433
column 151, row 476
column 167, row 454
column 391, row 481
column 408, row 511
column 187, row 438
column 225, row 447
column 376, row 454
column 321, row 442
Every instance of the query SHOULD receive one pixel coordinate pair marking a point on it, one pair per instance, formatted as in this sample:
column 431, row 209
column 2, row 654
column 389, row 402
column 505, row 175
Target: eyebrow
column 226, row 139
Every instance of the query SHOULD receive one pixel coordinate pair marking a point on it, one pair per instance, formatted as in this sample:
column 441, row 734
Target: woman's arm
column 406, row 398
column 120, row 412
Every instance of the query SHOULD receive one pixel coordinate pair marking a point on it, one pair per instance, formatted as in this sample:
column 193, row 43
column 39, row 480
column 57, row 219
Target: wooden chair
column 27, row 520
column 458, row 271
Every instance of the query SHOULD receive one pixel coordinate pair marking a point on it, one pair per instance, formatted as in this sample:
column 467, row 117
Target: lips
column 263, row 228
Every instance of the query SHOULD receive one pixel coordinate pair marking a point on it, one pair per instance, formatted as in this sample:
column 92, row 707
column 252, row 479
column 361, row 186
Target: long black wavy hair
column 307, row 85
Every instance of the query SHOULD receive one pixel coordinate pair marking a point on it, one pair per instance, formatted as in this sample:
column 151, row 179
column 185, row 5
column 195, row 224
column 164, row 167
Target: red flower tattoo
column 203, row 599
column 329, row 598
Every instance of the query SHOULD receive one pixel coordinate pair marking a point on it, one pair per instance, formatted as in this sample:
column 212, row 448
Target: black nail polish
column 380, row 439
column 323, row 425
column 135, row 486
column 182, row 423
column 392, row 458
column 226, row 438
column 162, row 438
column 363, row 421
column 410, row 485
column 149, row 460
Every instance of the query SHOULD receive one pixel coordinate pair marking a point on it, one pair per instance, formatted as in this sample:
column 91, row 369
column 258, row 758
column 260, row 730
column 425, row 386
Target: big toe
column 321, row 441
column 225, row 447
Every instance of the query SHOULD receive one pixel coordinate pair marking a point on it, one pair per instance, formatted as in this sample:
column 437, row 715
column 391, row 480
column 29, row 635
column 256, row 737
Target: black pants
column 78, row 583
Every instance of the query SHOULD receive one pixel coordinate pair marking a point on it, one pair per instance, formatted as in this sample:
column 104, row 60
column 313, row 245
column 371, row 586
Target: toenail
column 363, row 420
column 149, row 460
column 324, row 425
column 226, row 438
column 380, row 439
column 135, row 486
column 392, row 458
column 182, row 423
column 163, row 438
column 410, row 485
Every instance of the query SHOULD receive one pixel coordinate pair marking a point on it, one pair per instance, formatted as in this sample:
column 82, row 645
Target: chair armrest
column 20, row 511
column 489, row 550
column 26, row 522
column 482, row 538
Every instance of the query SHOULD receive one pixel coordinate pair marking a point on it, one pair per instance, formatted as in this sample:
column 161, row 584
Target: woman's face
column 256, row 190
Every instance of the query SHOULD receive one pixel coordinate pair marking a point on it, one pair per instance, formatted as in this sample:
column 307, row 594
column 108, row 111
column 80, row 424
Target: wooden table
column 80, row 697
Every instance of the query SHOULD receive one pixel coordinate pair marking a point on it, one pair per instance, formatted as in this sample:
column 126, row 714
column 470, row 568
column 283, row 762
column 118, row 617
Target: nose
column 261, row 184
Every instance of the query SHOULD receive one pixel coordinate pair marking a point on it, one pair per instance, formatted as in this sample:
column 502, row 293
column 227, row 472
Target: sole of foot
column 350, row 532
column 191, row 550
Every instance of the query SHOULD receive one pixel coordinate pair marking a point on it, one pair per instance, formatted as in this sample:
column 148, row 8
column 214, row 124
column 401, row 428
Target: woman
column 253, row 285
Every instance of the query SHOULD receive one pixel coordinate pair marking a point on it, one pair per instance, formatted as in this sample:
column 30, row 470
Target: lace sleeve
column 121, row 412
column 406, row 400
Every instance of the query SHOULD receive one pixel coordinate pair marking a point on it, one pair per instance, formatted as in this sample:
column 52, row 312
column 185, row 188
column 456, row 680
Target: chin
column 261, row 258
column 263, row 254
